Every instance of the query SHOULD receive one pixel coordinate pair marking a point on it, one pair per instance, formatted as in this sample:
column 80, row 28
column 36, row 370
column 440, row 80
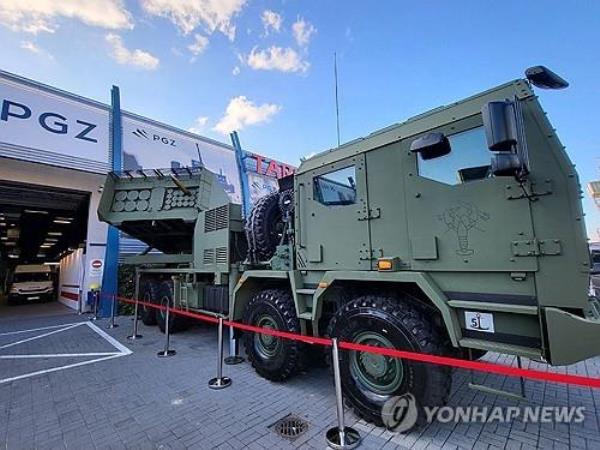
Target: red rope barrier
column 498, row 369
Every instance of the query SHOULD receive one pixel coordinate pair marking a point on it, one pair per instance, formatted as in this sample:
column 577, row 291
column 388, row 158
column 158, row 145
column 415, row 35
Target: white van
column 32, row 282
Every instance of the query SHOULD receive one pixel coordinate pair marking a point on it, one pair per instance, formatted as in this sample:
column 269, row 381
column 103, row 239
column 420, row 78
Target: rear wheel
column 273, row 358
column 370, row 381
column 149, row 294
column 165, row 297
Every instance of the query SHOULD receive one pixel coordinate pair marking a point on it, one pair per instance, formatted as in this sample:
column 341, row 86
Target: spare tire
column 264, row 228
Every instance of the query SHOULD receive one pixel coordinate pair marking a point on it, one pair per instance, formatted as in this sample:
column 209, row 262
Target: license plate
column 35, row 297
column 479, row 321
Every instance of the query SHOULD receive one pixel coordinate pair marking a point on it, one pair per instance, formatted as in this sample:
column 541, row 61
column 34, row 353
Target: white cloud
column 271, row 21
column 241, row 112
column 277, row 58
column 199, row 125
column 236, row 70
column 138, row 58
column 303, row 31
column 35, row 16
column 189, row 14
column 199, row 45
column 32, row 47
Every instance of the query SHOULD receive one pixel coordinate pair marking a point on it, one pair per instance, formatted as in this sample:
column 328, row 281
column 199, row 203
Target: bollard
column 167, row 351
column 234, row 356
column 134, row 335
column 79, row 302
column 96, row 297
column 113, row 307
column 340, row 437
column 220, row 382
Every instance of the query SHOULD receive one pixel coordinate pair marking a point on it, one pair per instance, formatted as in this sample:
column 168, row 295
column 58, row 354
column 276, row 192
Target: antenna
column 337, row 103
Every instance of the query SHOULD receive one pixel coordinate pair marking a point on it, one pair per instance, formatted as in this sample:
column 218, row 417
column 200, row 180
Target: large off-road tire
column 165, row 297
column 370, row 380
column 148, row 294
column 273, row 358
column 264, row 228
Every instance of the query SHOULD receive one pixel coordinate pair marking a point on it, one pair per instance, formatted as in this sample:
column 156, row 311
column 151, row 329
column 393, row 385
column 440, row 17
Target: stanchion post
column 167, row 351
column 96, row 295
column 113, row 308
column 134, row 335
column 234, row 356
column 340, row 437
column 220, row 382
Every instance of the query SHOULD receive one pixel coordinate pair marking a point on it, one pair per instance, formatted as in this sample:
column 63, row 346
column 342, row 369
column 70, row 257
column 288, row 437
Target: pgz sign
column 141, row 133
column 49, row 121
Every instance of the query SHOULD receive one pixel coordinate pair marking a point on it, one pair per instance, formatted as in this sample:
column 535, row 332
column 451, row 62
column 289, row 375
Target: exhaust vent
column 216, row 219
column 221, row 255
column 209, row 256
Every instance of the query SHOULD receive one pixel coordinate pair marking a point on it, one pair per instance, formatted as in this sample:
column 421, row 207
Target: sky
column 265, row 68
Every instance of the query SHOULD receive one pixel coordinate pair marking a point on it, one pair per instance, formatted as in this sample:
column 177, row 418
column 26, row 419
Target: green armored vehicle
column 457, row 232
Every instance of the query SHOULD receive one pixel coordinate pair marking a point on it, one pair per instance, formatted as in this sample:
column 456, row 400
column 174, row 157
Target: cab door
column 460, row 217
column 332, row 232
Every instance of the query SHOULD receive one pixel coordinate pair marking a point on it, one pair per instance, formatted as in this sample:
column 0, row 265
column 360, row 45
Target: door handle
column 301, row 193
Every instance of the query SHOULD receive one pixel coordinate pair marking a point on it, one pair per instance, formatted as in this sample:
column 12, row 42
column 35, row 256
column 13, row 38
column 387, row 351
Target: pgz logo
column 49, row 121
column 141, row 133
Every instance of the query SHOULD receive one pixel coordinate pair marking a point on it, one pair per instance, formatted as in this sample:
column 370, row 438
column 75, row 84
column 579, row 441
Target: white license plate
column 479, row 321
column 35, row 297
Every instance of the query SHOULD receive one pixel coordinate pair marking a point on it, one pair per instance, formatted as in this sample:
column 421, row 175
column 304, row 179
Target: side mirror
column 544, row 78
column 500, row 123
column 432, row 145
column 506, row 164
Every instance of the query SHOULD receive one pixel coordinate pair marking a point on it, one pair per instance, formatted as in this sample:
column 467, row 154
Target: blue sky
column 266, row 67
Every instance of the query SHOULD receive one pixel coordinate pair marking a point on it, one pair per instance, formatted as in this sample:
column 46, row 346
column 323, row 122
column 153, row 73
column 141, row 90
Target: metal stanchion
column 96, row 295
column 134, row 335
column 167, row 351
column 112, row 323
column 220, row 382
column 234, row 356
column 340, row 437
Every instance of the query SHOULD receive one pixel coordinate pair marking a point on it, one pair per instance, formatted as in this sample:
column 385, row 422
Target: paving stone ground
column 139, row 401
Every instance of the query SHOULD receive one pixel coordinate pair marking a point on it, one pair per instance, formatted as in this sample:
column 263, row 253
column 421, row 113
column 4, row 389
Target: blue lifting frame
column 240, row 157
column 111, row 257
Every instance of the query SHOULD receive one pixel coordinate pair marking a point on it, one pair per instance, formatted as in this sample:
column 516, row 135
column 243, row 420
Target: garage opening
column 42, row 228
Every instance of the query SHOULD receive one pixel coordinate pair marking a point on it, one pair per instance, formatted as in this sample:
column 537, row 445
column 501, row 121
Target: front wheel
column 371, row 381
column 273, row 358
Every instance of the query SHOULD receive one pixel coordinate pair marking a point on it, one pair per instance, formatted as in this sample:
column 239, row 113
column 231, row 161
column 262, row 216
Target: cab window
column 336, row 188
column 469, row 159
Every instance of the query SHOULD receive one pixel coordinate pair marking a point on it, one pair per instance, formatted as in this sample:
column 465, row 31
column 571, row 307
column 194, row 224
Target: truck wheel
column 264, row 228
column 149, row 294
column 273, row 358
column 165, row 297
column 370, row 380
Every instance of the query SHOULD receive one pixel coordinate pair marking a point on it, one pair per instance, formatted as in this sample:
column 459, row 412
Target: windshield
column 37, row 276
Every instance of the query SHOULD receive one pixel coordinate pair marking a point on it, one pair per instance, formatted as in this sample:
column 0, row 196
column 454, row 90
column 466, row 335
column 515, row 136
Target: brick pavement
column 141, row 401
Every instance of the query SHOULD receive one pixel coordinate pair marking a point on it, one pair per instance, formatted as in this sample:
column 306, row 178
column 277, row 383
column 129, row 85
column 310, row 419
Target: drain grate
column 290, row 426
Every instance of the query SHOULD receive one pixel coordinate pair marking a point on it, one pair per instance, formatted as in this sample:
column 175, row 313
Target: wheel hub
column 378, row 373
column 267, row 346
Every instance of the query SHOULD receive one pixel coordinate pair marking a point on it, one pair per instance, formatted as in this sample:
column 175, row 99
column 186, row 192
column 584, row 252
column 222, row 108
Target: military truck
column 456, row 232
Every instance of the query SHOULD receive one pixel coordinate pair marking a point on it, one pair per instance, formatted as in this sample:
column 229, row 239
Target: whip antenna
column 337, row 104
